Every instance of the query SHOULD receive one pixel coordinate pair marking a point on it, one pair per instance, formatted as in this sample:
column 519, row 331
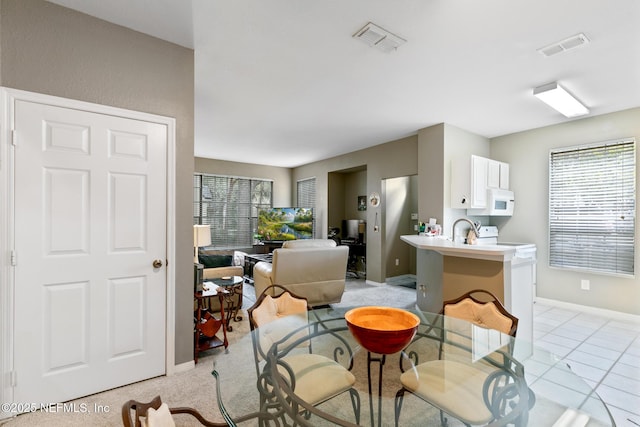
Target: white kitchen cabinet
column 479, row 170
column 504, row 176
column 497, row 175
column 471, row 176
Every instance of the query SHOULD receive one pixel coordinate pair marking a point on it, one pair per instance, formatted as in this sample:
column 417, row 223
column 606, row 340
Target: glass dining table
column 537, row 388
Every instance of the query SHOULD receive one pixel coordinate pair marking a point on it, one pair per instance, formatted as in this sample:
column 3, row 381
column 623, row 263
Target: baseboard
column 184, row 367
column 611, row 314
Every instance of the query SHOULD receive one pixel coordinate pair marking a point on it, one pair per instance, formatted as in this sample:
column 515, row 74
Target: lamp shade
column 201, row 237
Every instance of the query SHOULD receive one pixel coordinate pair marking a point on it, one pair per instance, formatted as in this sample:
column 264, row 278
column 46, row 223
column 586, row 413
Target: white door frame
column 7, row 243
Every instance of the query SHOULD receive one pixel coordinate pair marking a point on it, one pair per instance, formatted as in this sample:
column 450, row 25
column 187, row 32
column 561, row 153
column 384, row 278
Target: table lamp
column 201, row 237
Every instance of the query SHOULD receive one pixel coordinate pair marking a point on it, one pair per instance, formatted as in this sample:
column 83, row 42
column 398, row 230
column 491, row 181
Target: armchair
column 313, row 269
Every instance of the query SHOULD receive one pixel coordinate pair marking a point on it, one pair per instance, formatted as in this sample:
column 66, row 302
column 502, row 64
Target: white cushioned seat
column 318, row 378
column 451, row 386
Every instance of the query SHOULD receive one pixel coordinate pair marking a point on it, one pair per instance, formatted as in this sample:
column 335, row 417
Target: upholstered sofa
column 217, row 265
column 314, row 269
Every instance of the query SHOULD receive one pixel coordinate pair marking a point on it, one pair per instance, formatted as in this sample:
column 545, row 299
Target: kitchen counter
column 445, row 246
column 447, row 269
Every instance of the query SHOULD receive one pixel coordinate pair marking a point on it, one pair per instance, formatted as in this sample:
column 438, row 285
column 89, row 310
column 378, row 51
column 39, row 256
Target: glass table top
column 549, row 404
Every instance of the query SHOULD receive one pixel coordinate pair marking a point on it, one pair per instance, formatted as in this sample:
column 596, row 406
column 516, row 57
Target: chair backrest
column 134, row 413
column 271, row 319
column 482, row 308
column 489, row 321
column 309, row 243
column 310, row 264
column 133, row 410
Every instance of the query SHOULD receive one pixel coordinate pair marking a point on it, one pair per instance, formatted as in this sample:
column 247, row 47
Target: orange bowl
column 382, row 330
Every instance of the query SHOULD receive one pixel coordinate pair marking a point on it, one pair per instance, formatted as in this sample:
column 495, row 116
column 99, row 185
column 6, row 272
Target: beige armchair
column 313, row 269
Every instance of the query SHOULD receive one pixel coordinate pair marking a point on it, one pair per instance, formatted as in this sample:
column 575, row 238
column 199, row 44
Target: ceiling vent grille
column 564, row 45
column 378, row 37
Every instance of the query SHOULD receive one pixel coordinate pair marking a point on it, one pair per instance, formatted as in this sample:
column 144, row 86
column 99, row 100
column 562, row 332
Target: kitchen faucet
column 475, row 226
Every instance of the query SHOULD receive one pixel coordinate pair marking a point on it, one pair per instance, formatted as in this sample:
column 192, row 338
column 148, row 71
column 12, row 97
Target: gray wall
column 390, row 160
column 396, row 220
column 528, row 156
column 52, row 50
column 355, row 184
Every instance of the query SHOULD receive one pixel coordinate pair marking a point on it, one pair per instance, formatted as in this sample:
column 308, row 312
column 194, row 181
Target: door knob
column 157, row 263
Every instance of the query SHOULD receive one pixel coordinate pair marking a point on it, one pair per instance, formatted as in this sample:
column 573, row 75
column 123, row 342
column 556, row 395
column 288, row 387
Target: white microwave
column 499, row 203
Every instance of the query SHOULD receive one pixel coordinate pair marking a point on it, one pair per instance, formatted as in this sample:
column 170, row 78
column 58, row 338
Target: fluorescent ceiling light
column 559, row 99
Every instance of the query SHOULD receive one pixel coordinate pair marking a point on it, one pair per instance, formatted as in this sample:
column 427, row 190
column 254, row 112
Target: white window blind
column 230, row 205
column 306, row 196
column 592, row 207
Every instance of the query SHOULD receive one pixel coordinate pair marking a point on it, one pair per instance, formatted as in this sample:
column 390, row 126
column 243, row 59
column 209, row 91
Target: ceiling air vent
column 564, row 45
column 378, row 37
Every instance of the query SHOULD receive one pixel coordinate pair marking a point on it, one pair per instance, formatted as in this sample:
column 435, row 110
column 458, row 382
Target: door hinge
column 14, row 259
column 14, row 137
column 13, row 378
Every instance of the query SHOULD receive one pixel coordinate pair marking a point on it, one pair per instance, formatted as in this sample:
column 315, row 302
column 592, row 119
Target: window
column 592, row 207
column 230, row 205
column 306, row 196
column 307, row 193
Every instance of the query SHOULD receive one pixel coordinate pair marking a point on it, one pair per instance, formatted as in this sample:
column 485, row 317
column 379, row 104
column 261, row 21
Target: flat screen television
column 280, row 224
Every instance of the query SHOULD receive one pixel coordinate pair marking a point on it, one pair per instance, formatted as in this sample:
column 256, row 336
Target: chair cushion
column 318, row 378
column 277, row 317
column 454, row 387
column 158, row 418
column 486, row 314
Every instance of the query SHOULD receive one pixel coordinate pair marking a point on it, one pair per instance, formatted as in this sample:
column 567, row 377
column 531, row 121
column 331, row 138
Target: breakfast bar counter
column 447, row 269
column 445, row 246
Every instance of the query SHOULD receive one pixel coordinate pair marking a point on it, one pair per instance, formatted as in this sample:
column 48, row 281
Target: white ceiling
column 283, row 83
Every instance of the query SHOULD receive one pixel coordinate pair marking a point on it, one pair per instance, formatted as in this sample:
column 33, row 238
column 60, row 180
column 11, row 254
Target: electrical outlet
column 585, row 285
column 397, row 262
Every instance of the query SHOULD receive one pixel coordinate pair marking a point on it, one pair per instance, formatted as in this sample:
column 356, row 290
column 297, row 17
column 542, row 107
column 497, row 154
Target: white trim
column 8, row 97
column 6, row 243
column 602, row 312
column 170, row 355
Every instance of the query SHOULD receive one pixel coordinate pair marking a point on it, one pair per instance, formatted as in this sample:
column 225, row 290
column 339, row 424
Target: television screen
column 279, row 224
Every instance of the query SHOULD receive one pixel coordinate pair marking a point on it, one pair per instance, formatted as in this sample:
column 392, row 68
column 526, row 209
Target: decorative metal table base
column 380, row 360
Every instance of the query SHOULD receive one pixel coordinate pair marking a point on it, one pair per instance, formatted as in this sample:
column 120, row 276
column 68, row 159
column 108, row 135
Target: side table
column 250, row 260
column 207, row 327
column 232, row 297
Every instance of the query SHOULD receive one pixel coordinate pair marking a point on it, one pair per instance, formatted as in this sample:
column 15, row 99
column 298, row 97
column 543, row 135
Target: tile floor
column 604, row 351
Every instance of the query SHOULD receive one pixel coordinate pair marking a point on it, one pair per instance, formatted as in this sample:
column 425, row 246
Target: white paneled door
column 90, row 244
